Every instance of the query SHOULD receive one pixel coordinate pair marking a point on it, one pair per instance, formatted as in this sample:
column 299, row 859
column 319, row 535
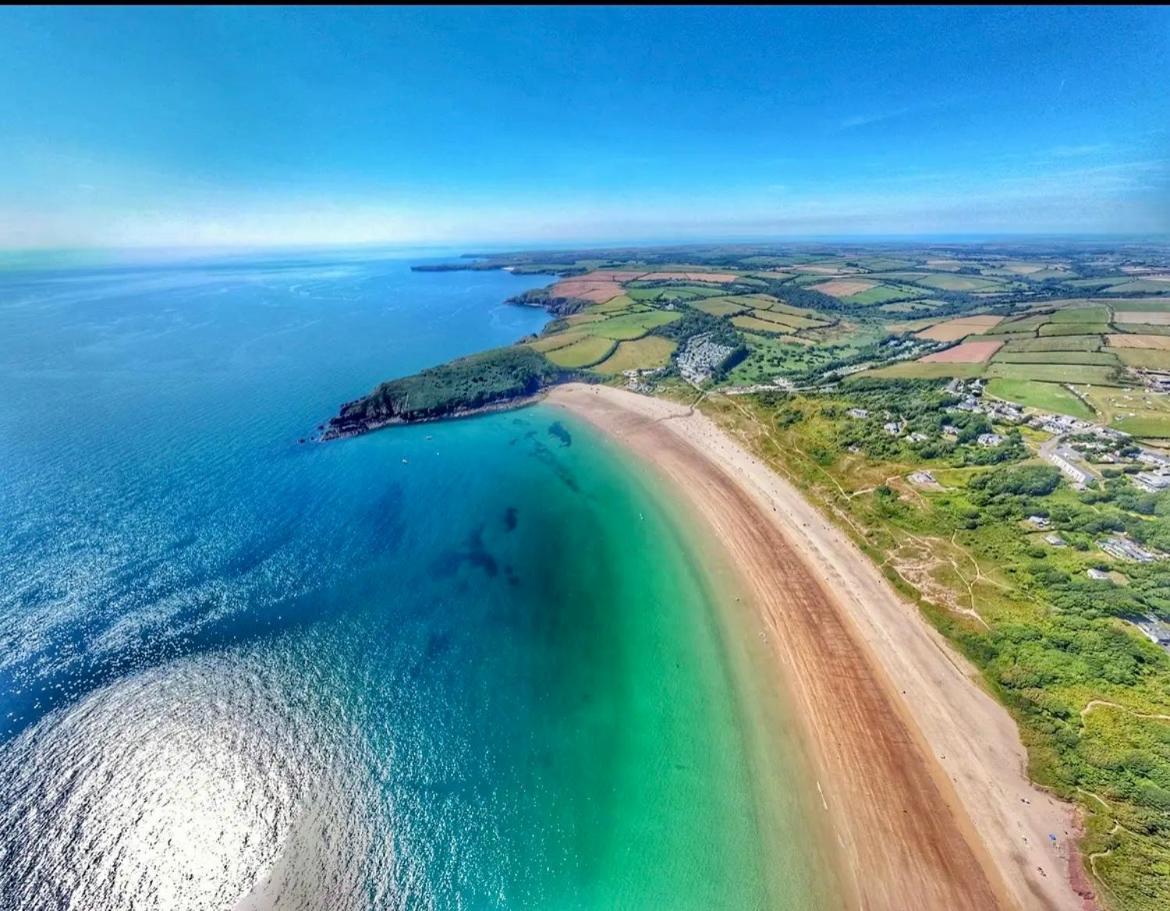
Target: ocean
column 467, row 665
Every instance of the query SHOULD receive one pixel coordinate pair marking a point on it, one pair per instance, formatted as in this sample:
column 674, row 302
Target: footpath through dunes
column 922, row 772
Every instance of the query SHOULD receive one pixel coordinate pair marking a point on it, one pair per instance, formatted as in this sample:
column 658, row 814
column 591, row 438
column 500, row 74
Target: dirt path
column 922, row 773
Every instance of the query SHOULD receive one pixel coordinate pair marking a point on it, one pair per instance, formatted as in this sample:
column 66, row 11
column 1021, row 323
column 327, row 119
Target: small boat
column 404, row 462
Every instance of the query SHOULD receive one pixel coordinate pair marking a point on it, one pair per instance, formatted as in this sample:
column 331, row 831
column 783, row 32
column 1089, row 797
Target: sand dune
column 921, row 772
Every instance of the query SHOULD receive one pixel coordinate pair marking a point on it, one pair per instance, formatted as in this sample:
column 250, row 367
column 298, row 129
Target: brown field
column 587, row 289
column 717, row 277
column 843, row 287
column 966, row 353
column 954, row 329
column 1160, row 342
column 1149, row 317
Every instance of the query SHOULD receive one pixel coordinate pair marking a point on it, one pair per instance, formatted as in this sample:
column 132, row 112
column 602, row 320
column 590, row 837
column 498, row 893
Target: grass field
column 1133, row 410
column 787, row 319
column 722, row 306
column 1044, row 396
column 639, row 354
column 632, row 325
column 1057, row 343
column 584, row 352
column 1081, row 315
column 622, row 302
column 1137, row 304
column 1074, row 328
column 1008, row 336
column 884, row 294
column 552, row 342
column 1141, row 286
column 1024, row 323
column 1056, row 373
column 755, row 324
column 959, row 283
column 1096, row 358
column 1144, row 358
column 672, row 292
column 916, row 370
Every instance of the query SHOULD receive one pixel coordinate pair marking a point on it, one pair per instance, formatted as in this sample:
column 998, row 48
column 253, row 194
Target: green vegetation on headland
column 460, row 387
column 857, row 372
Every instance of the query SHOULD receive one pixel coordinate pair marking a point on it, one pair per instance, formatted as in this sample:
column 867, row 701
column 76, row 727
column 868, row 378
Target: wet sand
column 920, row 772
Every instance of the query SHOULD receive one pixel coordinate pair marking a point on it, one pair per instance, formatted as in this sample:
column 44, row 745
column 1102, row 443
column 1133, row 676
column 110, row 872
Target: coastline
column 921, row 773
column 330, row 434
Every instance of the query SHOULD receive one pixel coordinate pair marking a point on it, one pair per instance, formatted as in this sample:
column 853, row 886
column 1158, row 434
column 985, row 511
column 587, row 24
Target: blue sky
column 268, row 127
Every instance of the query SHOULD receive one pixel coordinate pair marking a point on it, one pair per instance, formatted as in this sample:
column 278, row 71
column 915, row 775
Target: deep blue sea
column 470, row 665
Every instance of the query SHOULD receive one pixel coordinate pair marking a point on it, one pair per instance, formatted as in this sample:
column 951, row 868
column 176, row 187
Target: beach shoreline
column 921, row 773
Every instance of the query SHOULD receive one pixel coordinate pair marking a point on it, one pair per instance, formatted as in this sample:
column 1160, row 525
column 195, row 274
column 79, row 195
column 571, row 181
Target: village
column 1079, row 449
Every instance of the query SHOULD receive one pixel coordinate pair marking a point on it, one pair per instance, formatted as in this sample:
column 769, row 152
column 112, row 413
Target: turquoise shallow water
column 464, row 665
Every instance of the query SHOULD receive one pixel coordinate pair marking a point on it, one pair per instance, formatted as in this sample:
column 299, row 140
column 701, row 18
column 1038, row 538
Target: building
column 1125, row 549
column 950, row 431
column 989, row 440
column 917, row 437
column 1078, row 476
column 892, row 427
column 1054, row 539
column 859, row 413
column 1038, row 522
column 921, row 477
column 1151, row 482
column 1098, row 575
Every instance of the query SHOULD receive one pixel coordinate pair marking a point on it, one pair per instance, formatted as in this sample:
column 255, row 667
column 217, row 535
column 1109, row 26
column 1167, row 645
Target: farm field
column 552, row 342
column 723, row 306
column 964, row 353
column 639, row 354
column 1081, row 315
column 1099, row 358
column 1051, row 397
column 597, row 292
column 1056, row 343
column 1072, row 328
column 917, row 370
column 721, row 278
column 1135, row 411
column 1161, row 342
column 845, row 287
column 957, row 282
column 1145, row 358
column 669, row 293
column 584, row 352
column 954, row 329
column 1149, row 317
column 1056, row 373
column 631, row 325
column 884, row 293
column 755, row 324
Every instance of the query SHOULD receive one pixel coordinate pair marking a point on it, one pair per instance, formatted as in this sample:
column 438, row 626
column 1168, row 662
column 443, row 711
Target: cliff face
column 469, row 385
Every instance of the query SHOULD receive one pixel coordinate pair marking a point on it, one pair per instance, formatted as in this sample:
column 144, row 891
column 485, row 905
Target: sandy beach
column 921, row 772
